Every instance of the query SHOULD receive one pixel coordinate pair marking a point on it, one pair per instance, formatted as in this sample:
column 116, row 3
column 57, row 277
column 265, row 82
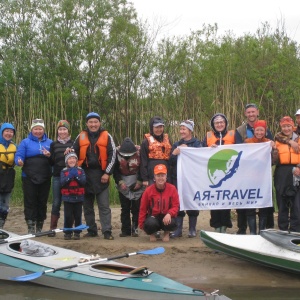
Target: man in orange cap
column 159, row 206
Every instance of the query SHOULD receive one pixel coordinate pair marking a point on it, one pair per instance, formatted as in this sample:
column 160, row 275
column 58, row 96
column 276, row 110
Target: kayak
column 265, row 249
column 66, row 269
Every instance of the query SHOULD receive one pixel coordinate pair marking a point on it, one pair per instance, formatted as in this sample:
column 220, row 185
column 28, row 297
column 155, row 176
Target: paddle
column 155, row 251
column 32, row 235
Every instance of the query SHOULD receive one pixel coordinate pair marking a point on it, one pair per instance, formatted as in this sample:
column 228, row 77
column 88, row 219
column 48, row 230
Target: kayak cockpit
column 30, row 248
column 122, row 270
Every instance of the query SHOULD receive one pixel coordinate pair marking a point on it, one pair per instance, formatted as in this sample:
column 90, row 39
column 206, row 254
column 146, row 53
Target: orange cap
column 160, row 169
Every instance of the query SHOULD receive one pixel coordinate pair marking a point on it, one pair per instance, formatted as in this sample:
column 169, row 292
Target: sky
column 238, row 16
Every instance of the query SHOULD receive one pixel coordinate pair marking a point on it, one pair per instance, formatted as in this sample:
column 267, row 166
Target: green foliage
column 60, row 59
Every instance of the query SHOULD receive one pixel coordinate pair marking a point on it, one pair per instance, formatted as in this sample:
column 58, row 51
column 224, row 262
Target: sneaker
column 108, row 236
column 76, row 236
column 68, row 236
column 124, row 234
column 90, row 234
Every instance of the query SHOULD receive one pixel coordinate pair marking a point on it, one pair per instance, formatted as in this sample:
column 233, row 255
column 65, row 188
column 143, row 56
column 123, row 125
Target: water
column 30, row 291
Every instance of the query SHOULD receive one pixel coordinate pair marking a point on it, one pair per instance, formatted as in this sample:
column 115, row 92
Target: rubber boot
column 53, row 224
column 218, row 229
column 39, row 226
column 252, row 224
column 192, row 226
column 3, row 216
column 262, row 223
column 223, row 229
column 31, row 226
column 134, row 230
column 178, row 231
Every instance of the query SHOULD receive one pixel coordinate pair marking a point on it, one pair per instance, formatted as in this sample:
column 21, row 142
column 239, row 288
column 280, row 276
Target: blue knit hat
column 92, row 115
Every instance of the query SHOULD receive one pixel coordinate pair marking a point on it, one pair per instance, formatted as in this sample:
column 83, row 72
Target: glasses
column 250, row 105
column 219, row 123
column 37, row 121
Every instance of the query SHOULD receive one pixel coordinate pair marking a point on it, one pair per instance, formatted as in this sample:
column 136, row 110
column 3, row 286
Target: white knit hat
column 37, row 122
column 70, row 154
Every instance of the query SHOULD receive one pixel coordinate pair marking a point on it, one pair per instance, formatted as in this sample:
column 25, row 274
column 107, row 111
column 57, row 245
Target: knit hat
column 70, row 154
column 160, row 169
column 127, row 147
column 37, row 122
column 189, row 124
column 297, row 112
column 260, row 123
column 92, row 115
column 63, row 123
column 287, row 120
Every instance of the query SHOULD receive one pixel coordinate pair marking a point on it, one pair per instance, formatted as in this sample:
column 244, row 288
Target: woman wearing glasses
column 33, row 155
column 187, row 140
column 219, row 135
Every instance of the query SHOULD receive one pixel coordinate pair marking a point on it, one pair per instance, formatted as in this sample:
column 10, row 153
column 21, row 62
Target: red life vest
column 131, row 165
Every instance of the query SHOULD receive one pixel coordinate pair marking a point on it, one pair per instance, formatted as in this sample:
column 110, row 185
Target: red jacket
column 155, row 202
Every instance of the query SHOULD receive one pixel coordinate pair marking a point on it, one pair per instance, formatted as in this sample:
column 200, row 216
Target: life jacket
column 131, row 165
column 212, row 139
column 84, row 144
column 72, row 188
column 7, row 155
column 287, row 155
column 159, row 150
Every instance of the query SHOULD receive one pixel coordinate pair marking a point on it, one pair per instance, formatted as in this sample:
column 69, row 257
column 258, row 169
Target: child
column 72, row 180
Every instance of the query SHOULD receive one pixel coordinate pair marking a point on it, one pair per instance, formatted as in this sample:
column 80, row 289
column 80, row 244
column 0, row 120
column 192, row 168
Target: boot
column 223, row 229
column 31, row 226
column 134, row 230
column 262, row 223
column 39, row 226
column 53, row 224
column 218, row 229
column 252, row 224
column 192, row 226
column 178, row 231
column 3, row 216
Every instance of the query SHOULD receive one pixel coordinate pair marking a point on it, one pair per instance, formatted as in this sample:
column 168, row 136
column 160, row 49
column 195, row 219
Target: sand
column 186, row 260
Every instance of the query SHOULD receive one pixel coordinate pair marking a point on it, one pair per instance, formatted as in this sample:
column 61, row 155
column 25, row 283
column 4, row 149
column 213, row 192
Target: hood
column 3, row 127
column 156, row 120
column 213, row 127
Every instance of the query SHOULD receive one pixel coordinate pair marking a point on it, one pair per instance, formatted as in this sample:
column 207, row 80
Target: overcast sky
column 238, row 16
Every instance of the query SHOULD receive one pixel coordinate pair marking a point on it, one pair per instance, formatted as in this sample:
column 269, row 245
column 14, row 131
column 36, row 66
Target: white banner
column 229, row 176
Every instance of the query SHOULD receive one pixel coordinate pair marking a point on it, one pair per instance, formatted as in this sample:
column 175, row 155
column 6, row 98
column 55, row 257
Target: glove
column 73, row 173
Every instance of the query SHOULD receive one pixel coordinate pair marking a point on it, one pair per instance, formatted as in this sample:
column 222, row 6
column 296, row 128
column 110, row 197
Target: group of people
column 145, row 176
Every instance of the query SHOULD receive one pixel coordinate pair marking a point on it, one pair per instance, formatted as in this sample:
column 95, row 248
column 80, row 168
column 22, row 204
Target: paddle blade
column 27, row 277
column 80, row 227
column 155, row 251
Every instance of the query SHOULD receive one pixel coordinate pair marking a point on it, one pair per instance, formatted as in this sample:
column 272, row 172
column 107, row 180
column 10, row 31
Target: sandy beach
column 186, row 260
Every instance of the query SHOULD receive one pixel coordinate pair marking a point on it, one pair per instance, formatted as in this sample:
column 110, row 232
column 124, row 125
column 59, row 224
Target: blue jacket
column 32, row 147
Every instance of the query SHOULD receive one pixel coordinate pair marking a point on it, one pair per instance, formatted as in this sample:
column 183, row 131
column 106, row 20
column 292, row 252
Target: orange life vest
column 287, row 155
column 84, row 144
column 212, row 139
column 159, row 150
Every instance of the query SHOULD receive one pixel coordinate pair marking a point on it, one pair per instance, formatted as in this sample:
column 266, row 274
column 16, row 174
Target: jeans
column 4, row 202
column 103, row 208
column 56, row 204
